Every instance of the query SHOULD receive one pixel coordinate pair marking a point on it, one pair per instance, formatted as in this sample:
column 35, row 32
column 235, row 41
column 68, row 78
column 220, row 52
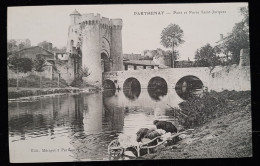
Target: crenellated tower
column 96, row 42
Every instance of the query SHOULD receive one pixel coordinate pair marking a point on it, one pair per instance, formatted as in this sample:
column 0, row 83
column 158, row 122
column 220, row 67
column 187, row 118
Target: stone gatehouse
column 95, row 43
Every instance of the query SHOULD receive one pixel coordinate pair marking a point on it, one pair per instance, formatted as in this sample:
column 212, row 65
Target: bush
column 33, row 81
column 17, row 94
column 212, row 105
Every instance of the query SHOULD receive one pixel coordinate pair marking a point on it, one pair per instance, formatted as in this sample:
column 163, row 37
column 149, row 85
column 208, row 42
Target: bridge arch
column 189, row 81
column 157, row 82
column 131, row 88
column 187, row 85
column 157, row 88
column 130, row 83
column 109, row 84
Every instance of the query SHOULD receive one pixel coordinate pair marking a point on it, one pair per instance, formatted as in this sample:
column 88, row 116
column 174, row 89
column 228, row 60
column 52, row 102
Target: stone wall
column 65, row 69
column 244, row 57
column 230, row 78
column 221, row 78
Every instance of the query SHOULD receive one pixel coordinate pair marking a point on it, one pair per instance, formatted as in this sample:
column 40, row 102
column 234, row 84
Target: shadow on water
column 109, row 92
column 89, row 122
column 157, row 93
column 157, row 88
column 132, row 93
column 188, row 86
column 132, row 88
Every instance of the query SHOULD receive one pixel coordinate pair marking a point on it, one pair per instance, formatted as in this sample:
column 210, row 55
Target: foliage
column 238, row 39
column 39, row 64
column 84, row 72
column 171, row 36
column 176, row 54
column 198, row 111
column 38, row 92
column 150, row 54
column 245, row 14
column 206, row 56
column 13, row 45
column 146, row 58
column 33, row 81
column 18, row 64
column 78, row 81
column 46, row 45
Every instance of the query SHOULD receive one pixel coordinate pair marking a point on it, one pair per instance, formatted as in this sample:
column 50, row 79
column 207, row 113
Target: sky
column 140, row 32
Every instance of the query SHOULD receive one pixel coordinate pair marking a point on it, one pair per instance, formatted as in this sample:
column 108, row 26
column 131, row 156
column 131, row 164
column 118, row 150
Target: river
column 79, row 127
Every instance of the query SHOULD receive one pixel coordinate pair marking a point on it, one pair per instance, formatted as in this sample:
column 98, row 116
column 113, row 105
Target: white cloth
column 126, row 141
column 166, row 136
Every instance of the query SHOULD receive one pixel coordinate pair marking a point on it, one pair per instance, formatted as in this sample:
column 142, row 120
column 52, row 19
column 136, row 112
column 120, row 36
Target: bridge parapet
column 221, row 78
column 171, row 76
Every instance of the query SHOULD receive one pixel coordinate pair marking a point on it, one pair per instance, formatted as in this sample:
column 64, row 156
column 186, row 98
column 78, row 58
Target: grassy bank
column 30, row 86
column 26, row 92
column 222, row 123
column 33, row 81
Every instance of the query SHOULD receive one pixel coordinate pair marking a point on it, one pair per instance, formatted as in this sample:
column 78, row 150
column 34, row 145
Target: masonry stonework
column 221, row 78
column 94, row 43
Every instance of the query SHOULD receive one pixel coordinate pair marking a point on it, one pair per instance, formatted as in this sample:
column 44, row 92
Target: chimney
column 221, row 37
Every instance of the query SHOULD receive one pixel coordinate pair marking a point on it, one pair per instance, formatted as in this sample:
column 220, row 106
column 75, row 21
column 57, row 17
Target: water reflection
column 109, row 92
column 157, row 88
column 132, row 88
column 85, row 123
column 157, row 93
column 188, row 86
column 184, row 94
column 132, row 93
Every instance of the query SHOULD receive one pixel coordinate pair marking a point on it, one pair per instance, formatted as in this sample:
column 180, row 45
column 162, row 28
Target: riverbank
column 29, row 94
column 222, row 128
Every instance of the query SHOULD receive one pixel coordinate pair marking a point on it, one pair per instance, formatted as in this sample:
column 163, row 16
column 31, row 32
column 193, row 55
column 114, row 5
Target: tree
column 46, row 45
column 39, row 66
column 15, row 45
column 239, row 37
column 171, row 37
column 19, row 65
column 78, row 81
column 206, row 56
column 175, row 56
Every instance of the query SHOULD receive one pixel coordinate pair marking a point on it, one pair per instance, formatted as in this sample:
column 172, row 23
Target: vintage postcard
column 128, row 82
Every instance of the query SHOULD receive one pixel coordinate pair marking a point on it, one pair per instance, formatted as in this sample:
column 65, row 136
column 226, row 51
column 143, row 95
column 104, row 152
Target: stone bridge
column 171, row 76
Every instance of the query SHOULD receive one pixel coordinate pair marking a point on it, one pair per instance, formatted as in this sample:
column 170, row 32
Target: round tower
column 91, row 58
column 74, row 17
column 116, row 45
column 99, row 40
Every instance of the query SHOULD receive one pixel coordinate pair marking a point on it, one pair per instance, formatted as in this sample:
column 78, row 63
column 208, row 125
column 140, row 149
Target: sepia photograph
column 128, row 82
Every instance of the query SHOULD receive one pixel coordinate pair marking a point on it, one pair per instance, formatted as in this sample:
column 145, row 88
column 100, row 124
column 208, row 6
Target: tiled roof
column 28, row 48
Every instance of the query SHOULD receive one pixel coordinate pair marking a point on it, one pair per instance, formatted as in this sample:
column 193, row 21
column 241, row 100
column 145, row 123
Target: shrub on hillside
column 198, row 111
